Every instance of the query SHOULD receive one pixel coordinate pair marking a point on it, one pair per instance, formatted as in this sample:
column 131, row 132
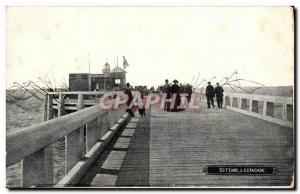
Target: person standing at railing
column 210, row 93
column 219, row 95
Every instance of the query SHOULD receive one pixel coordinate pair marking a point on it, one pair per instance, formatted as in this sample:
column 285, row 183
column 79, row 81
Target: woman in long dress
column 175, row 89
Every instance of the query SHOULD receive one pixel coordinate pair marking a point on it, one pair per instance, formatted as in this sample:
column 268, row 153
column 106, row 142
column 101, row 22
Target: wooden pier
column 109, row 148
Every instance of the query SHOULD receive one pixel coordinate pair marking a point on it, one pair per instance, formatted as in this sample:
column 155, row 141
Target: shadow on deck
column 126, row 160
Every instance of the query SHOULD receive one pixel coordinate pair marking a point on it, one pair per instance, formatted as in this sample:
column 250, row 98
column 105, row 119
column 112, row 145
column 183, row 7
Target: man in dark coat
column 130, row 98
column 175, row 89
column 219, row 95
column 210, row 93
column 189, row 90
column 167, row 90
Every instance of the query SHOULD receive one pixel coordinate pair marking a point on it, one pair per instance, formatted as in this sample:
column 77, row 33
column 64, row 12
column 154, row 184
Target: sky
column 158, row 42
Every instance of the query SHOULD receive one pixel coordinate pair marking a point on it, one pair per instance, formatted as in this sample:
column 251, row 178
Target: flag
column 125, row 63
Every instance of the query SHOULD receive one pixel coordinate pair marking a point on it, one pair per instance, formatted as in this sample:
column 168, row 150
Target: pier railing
column 59, row 103
column 86, row 133
column 275, row 109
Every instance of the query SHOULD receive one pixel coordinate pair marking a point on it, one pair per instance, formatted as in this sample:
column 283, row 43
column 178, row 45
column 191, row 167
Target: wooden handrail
column 82, row 92
column 267, row 107
column 91, row 93
column 26, row 141
column 275, row 99
column 85, row 133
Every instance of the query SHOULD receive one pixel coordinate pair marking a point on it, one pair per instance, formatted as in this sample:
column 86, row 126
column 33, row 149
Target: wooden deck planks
column 171, row 149
column 189, row 141
column 126, row 157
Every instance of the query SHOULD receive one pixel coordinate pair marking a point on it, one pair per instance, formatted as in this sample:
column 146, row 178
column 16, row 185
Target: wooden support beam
column 74, row 143
column 250, row 105
column 240, row 101
column 60, row 110
column 265, row 108
column 50, row 111
column 46, row 107
column 80, row 102
column 284, row 112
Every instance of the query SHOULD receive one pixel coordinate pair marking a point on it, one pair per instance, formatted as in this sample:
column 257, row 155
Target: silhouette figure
column 127, row 91
column 219, row 95
column 175, row 90
column 167, row 90
column 210, row 93
column 189, row 90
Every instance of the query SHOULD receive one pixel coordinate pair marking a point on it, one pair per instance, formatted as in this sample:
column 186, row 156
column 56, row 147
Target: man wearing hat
column 210, row 93
column 175, row 90
column 219, row 95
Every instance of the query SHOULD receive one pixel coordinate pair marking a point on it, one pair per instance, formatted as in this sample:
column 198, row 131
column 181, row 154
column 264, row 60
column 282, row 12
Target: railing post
column 80, row 102
column 240, row 103
column 38, row 169
column 250, row 105
column 50, row 108
column 265, row 108
column 60, row 105
column 47, row 153
column 45, row 107
column 284, row 112
column 74, row 143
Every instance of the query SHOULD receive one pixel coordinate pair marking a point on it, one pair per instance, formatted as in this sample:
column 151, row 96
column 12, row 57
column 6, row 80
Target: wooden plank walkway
column 125, row 161
column 171, row 149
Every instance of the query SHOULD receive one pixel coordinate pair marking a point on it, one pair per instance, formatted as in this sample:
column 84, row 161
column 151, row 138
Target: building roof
column 118, row 70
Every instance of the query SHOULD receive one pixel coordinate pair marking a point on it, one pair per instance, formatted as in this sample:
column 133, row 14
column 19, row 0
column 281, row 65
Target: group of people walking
column 212, row 92
column 173, row 89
